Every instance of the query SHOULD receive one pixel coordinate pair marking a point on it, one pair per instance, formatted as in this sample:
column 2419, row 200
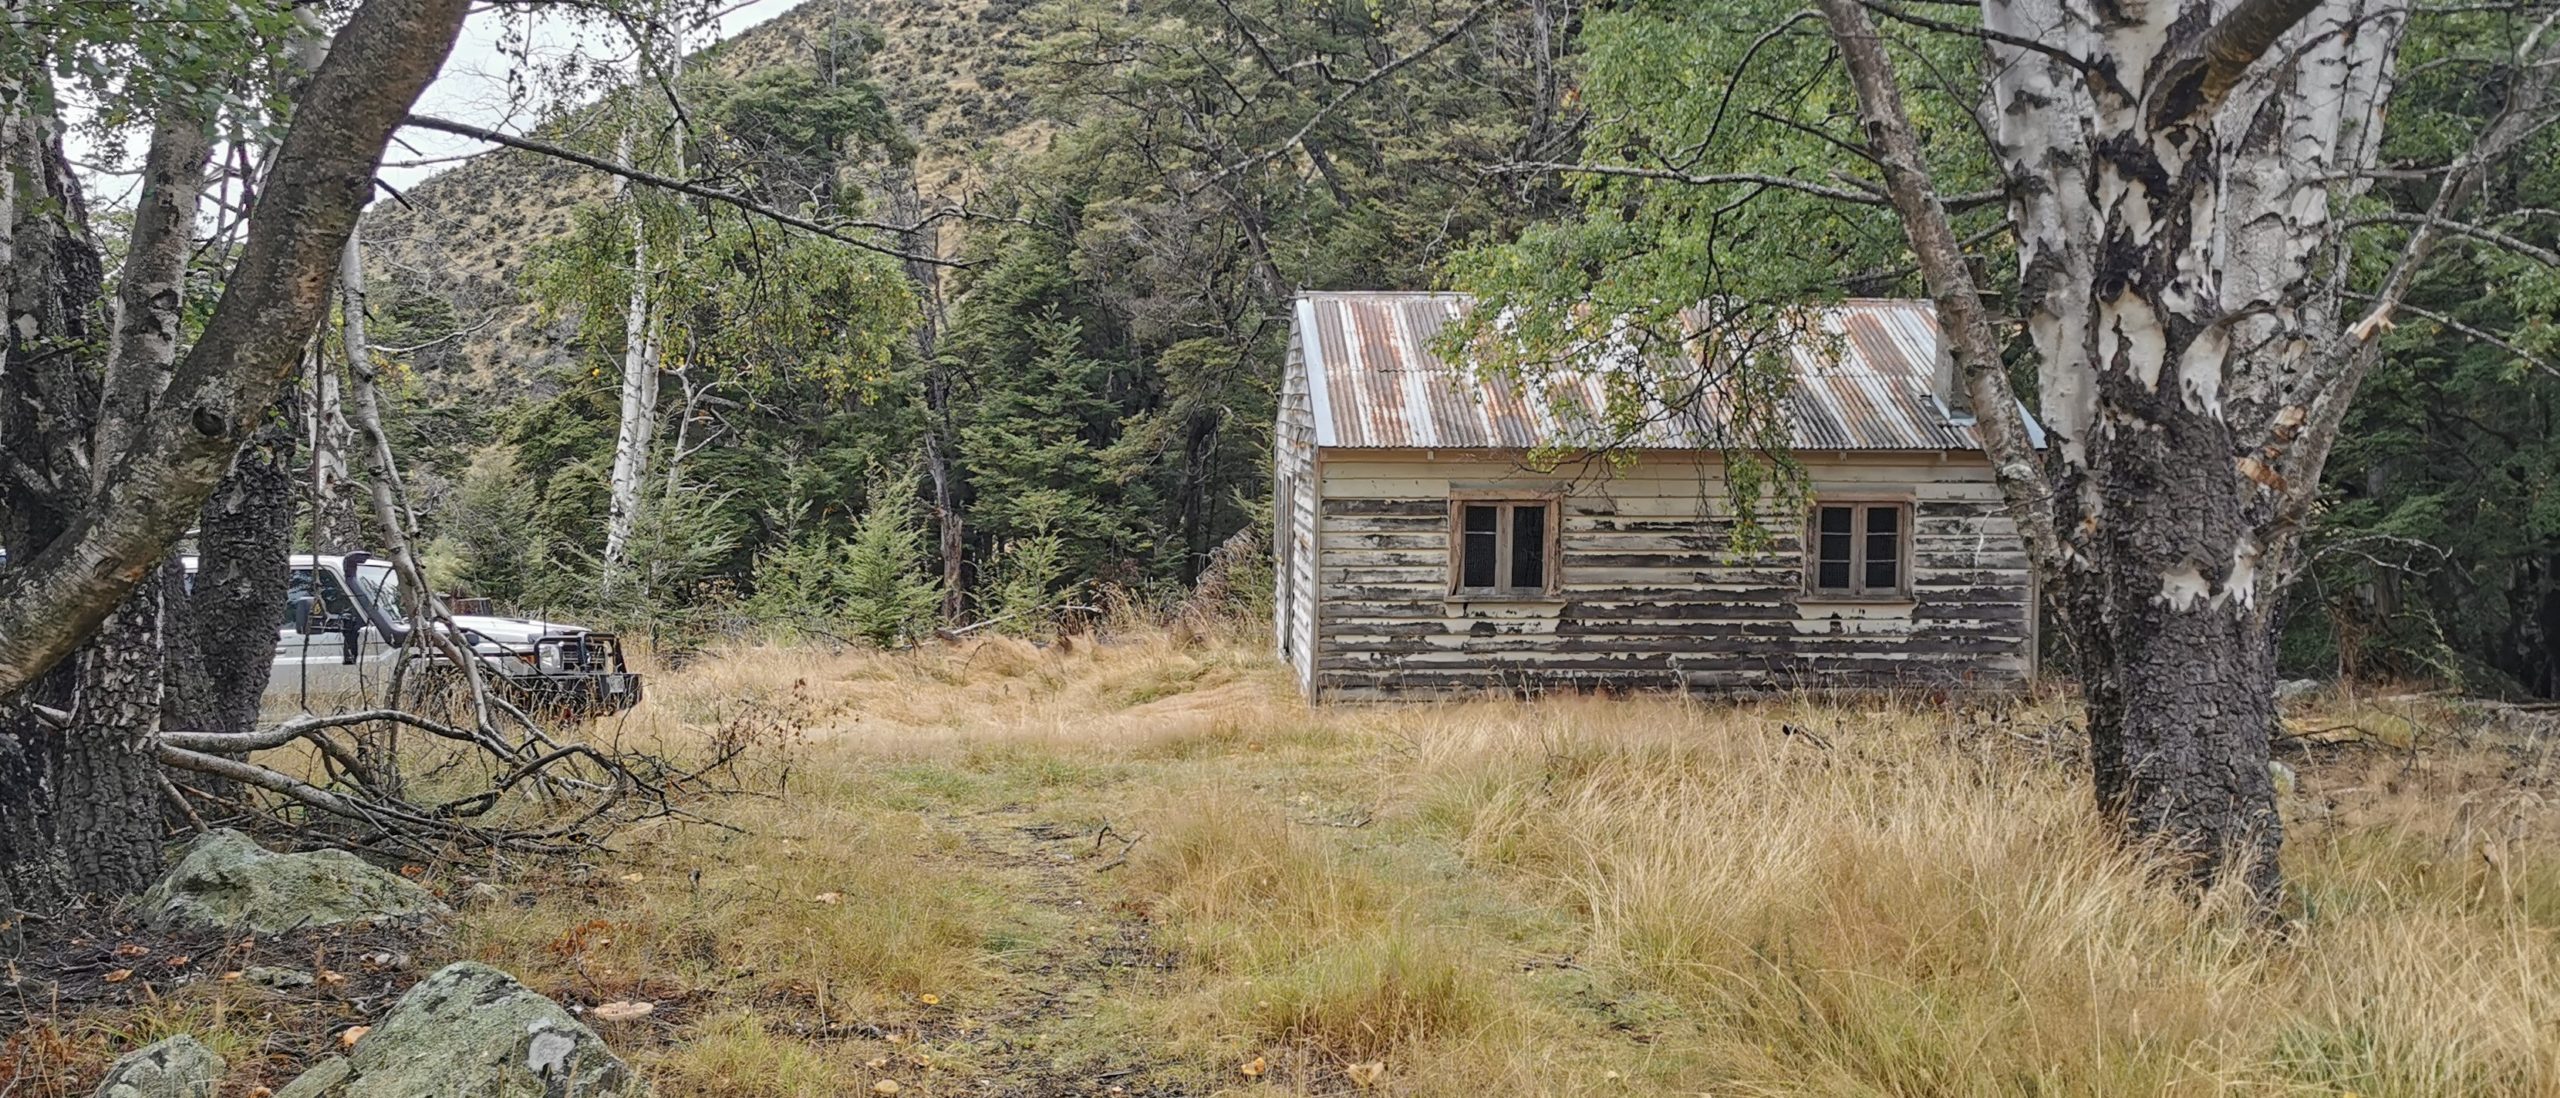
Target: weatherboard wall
column 1295, row 484
column 1652, row 591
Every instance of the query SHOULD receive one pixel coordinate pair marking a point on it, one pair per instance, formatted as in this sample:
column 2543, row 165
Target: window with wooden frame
column 1859, row 550
column 1503, row 546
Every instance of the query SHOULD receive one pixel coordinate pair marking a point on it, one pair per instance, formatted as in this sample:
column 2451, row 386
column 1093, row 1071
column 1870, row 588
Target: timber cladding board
column 1296, row 537
column 1651, row 591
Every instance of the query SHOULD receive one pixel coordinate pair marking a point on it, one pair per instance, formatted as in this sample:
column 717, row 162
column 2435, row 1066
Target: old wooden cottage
column 1428, row 542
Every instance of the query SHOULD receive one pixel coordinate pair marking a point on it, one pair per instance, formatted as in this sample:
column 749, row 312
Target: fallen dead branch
column 574, row 793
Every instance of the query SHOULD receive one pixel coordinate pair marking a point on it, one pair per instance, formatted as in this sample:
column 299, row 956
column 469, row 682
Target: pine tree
column 1035, row 448
column 888, row 596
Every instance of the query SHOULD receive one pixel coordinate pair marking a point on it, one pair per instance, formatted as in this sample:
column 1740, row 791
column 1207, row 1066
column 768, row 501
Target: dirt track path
column 1045, row 1036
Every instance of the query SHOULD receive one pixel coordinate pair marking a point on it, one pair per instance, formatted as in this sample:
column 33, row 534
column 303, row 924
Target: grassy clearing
column 1147, row 868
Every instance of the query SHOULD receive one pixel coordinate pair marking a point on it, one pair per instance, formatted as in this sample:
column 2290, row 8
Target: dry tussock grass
column 1694, row 896
column 1566, row 896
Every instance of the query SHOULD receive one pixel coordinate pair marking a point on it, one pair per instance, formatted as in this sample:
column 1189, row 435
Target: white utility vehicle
column 344, row 626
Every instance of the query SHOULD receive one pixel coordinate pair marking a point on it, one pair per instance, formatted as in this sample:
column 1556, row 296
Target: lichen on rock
column 224, row 879
column 470, row 1029
column 179, row 1067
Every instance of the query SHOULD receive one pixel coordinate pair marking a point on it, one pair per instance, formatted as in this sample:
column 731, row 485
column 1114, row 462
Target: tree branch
column 1347, row 94
column 2526, row 248
column 1963, row 321
column 1878, row 197
column 2527, row 357
column 2193, row 87
column 151, row 290
column 679, row 186
column 2076, row 62
column 2520, row 117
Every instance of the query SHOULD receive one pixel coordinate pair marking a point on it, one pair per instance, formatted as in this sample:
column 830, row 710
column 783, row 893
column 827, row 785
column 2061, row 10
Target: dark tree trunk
column 78, row 797
column 275, row 295
column 2179, row 719
column 1199, row 464
column 228, row 627
column 33, row 879
column 106, row 779
column 2178, row 650
column 941, row 441
column 949, row 523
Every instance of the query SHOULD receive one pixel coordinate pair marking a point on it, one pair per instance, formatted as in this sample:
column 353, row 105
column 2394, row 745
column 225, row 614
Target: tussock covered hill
column 449, row 259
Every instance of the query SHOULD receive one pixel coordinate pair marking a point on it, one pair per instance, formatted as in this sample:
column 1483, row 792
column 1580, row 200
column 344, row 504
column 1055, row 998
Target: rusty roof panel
column 1862, row 377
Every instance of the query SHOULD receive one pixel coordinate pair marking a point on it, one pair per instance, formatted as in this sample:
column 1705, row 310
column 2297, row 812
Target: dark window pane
column 1482, row 529
column 1832, row 545
column 1884, row 566
column 1529, row 546
column 1884, row 549
column 1833, row 575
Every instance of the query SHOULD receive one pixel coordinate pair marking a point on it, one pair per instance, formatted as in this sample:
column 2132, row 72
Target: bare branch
column 2361, row 345
column 2527, row 357
column 1962, row 317
column 697, row 190
column 2075, row 61
column 1875, row 197
column 2526, row 248
column 1347, row 94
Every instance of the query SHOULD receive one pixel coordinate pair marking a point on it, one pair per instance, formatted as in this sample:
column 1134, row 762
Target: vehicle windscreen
column 304, row 591
column 382, row 587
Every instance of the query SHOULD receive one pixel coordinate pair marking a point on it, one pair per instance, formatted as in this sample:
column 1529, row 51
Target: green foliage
column 800, row 584
column 869, row 585
column 756, row 306
column 1745, row 92
column 129, row 65
column 888, row 599
column 787, row 133
column 672, row 566
column 1031, row 446
column 785, row 353
column 492, row 539
column 1024, row 594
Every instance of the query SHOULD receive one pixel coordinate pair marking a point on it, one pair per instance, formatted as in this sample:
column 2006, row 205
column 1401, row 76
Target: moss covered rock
column 223, row 879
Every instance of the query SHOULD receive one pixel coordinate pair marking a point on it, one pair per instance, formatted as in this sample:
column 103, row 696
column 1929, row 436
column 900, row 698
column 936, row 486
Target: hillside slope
column 450, row 256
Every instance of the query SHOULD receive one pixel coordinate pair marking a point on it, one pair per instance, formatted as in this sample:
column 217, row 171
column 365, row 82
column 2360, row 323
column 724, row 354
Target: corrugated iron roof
column 1862, row 372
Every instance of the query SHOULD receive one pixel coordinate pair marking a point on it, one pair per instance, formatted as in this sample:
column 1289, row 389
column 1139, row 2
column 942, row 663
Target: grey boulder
column 179, row 1067
column 223, row 879
column 471, row 1031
